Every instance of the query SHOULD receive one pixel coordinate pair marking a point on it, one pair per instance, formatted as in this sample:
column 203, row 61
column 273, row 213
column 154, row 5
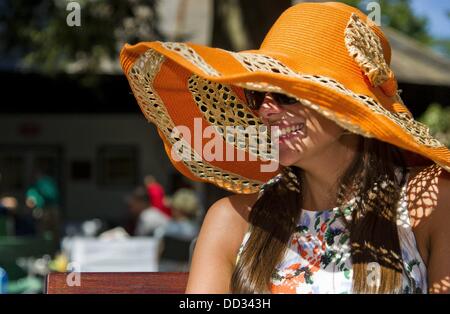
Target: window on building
column 118, row 166
column 80, row 170
column 12, row 173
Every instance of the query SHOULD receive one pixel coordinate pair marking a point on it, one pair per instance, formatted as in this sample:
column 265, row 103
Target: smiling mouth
column 290, row 131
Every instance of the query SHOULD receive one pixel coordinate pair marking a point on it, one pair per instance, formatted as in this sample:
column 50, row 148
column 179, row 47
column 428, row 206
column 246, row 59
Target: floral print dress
column 318, row 259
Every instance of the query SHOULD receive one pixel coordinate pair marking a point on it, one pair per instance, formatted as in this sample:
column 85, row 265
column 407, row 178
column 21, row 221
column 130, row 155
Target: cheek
column 322, row 130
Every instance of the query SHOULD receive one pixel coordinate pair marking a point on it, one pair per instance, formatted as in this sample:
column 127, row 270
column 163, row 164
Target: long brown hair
column 371, row 181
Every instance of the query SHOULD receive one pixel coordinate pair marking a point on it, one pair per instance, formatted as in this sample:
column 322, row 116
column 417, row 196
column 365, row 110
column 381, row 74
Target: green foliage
column 398, row 14
column 354, row 3
column 38, row 30
column 437, row 118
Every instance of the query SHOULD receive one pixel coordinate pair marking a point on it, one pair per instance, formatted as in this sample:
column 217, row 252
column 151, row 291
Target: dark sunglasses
column 256, row 98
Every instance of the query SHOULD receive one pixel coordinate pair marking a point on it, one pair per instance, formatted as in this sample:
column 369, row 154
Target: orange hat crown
column 309, row 38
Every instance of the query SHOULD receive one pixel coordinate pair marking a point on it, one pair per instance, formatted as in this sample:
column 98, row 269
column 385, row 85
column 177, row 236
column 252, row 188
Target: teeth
column 284, row 131
column 290, row 129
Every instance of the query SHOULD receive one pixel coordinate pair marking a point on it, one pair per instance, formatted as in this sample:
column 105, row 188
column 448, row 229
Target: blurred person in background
column 15, row 220
column 42, row 197
column 178, row 236
column 8, row 206
column 144, row 219
column 156, row 195
column 185, row 209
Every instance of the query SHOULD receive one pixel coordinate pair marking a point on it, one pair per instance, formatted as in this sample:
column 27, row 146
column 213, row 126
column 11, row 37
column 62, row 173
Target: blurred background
column 85, row 184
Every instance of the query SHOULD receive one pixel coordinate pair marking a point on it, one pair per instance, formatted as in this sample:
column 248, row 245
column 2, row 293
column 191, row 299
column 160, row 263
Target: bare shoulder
column 428, row 193
column 428, row 203
column 240, row 204
column 231, row 212
column 218, row 242
column 433, row 187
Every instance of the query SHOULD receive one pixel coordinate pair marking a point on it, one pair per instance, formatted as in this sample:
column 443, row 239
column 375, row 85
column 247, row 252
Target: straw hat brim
column 176, row 82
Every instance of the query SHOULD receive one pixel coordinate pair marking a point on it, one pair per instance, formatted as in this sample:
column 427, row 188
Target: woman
column 359, row 202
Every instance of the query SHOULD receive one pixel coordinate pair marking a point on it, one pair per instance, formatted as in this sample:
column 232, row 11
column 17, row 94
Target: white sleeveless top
column 318, row 259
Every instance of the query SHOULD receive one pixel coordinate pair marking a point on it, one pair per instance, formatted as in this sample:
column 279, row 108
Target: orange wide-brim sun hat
column 329, row 56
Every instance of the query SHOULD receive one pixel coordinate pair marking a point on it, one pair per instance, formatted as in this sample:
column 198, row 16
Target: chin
column 289, row 157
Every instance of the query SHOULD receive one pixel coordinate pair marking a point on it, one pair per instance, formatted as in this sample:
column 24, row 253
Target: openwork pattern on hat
column 191, row 55
column 141, row 76
column 365, row 47
column 418, row 131
column 223, row 108
column 258, row 62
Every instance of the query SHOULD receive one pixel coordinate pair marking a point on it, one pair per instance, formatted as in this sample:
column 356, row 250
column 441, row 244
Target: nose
column 269, row 109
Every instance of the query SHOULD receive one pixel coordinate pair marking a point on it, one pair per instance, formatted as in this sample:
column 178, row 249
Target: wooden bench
column 118, row 283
